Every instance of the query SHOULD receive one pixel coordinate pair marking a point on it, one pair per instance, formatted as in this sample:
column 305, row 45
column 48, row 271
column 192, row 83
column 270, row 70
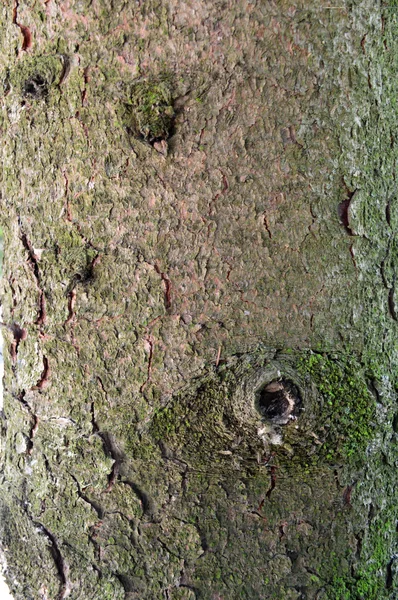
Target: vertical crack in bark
column 151, row 345
column 71, row 306
column 389, row 575
column 273, row 481
column 45, row 376
column 167, row 288
column 86, row 78
column 35, row 419
column 20, row 334
column 33, row 261
column 66, row 68
column 391, row 301
column 26, row 33
column 111, row 450
column 94, row 425
column 266, row 225
column 32, row 434
column 61, row 566
column 112, row 477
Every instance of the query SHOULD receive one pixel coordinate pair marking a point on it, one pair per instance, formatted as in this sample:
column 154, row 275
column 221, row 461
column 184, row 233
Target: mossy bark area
column 198, row 198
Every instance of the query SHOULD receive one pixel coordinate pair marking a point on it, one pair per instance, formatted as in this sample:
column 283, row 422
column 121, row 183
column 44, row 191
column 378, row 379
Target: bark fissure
column 61, row 567
column 26, row 33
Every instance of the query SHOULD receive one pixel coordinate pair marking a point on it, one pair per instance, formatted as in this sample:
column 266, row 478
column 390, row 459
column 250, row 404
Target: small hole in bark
column 278, row 401
column 35, row 87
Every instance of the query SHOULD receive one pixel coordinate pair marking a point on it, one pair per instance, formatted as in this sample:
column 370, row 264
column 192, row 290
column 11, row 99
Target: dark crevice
column 395, row 423
column 31, row 253
column 41, row 319
column 388, row 212
column 71, row 306
column 32, row 434
column 26, row 34
column 95, row 505
column 165, row 547
column 273, row 481
column 36, row 87
column 21, row 398
column 45, row 376
column 127, row 582
column 85, row 277
column 359, row 541
column 146, row 502
column 66, row 68
column 342, row 211
column 20, row 334
column 61, row 567
column 278, row 401
column 383, row 266
column 167, row 288
column 33, row 262
column 113, row 452
column 113, row 476
column 94, row 425
column 389, row 575
column 391, row 302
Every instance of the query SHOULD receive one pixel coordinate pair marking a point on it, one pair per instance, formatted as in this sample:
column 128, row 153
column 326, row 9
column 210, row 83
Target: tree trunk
column 199, row 206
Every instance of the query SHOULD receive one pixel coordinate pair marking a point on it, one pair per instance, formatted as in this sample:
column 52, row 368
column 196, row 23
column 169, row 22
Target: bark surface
column 198, row 200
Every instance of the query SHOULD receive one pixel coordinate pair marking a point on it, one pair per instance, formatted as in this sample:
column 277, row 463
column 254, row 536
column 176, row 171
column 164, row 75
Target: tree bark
column 199, row 206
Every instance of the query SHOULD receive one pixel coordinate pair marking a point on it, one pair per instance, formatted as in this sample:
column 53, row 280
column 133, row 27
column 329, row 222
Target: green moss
column 370, row 580
column 194, row 423
column 33, row 77
column 348, row 408
column 150, row 113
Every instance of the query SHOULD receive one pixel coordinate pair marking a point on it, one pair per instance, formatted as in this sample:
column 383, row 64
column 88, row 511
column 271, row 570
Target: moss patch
column 34, row 77
column 150, row 113
column 347, row 409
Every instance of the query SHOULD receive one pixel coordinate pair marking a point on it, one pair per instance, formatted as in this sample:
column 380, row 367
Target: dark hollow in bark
column 279, row 401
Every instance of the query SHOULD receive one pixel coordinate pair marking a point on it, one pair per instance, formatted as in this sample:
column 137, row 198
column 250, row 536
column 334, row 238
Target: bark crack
column 94, row 505
column 19, row 334
column 33, row 262
column 146, row 501
column 45, row 376
column 61, row 567
column 167, row 288
column 151, row 344
column 26, row 33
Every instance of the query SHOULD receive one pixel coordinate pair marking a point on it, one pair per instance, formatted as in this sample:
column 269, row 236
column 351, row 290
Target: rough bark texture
column 199, row 199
